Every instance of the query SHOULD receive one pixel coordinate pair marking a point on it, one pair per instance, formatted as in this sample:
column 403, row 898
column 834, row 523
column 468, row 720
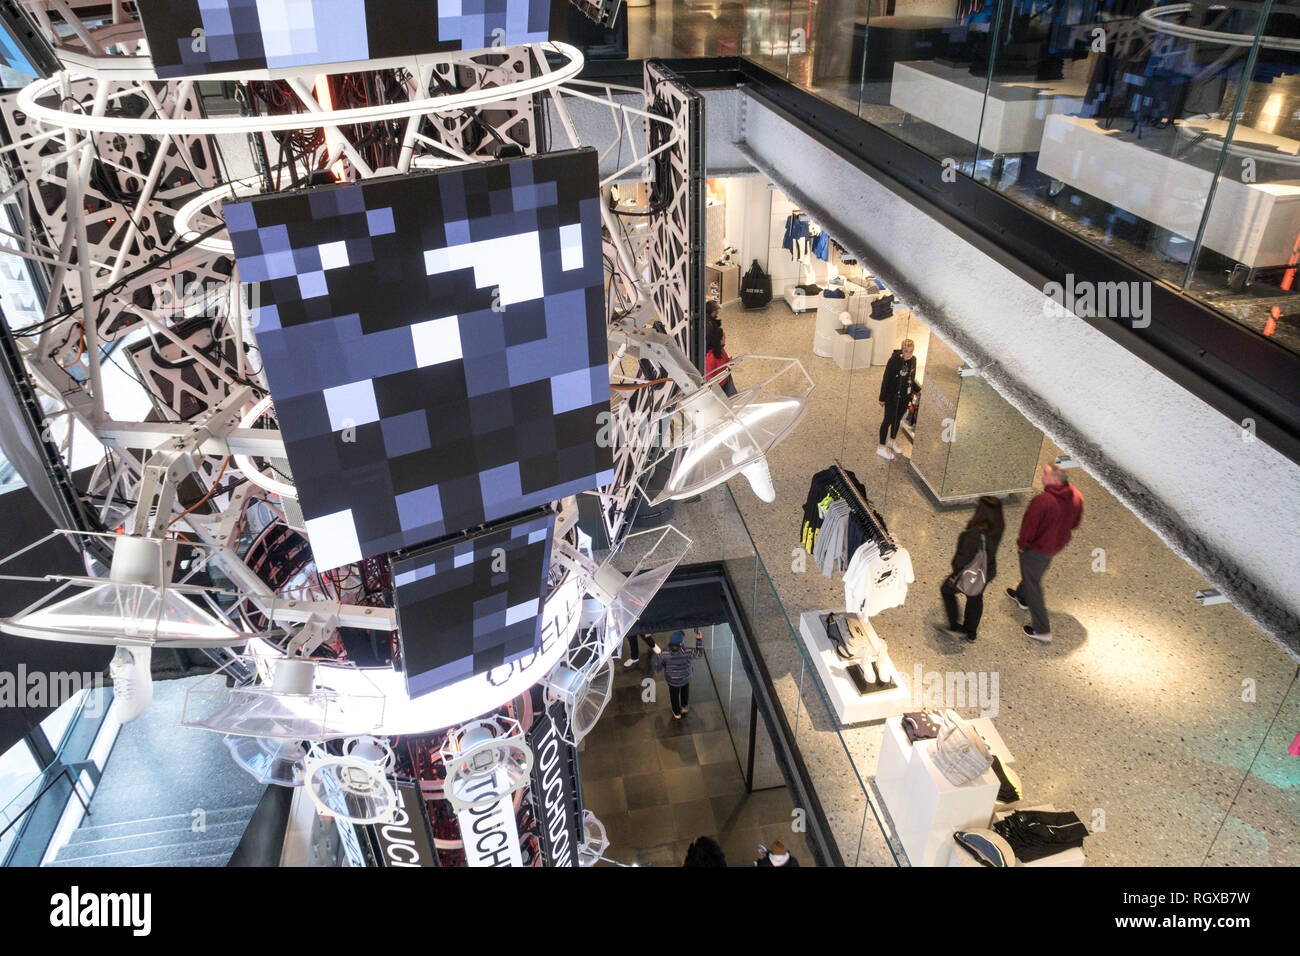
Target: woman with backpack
column 981, row 536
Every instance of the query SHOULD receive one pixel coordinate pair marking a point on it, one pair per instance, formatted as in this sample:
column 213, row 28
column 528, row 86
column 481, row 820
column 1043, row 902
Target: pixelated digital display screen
column 195, row 37
column 435, row 346
column 474, row 604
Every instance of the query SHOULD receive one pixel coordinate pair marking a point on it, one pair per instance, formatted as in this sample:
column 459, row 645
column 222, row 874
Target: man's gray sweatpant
column 1030, row 589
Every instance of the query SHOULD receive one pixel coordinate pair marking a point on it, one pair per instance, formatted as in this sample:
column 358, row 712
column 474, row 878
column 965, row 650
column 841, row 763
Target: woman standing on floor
column 983, row 530
column 715, row 357
column 895, row 395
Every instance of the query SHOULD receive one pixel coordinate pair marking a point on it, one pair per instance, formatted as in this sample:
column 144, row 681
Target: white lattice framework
column 65, row 126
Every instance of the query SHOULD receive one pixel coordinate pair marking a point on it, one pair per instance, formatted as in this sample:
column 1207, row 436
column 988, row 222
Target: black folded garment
column 1034, row 834
column 919, row 726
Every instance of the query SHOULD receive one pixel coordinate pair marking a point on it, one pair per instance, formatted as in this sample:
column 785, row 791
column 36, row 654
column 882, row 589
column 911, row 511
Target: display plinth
column 1070, row 857
column 850, row 706
column 929, row 808
column 891, row 765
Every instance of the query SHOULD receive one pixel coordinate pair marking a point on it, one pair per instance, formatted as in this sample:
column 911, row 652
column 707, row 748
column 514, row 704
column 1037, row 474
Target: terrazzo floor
column 1162, row 723
column 657, row 783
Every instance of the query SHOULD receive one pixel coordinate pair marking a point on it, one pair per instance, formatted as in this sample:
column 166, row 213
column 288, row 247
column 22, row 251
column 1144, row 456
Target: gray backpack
column 972, row 579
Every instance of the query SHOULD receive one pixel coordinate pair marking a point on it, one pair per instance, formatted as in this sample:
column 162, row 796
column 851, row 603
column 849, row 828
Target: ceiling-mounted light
column 136, row 605
column 485, row 761
column 626, row 581
column 722, row 436
column 353, row 786
column 296, row 699
column 594, row 841
column 279, row 762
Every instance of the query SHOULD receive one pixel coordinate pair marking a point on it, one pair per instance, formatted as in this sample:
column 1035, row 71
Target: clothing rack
column 860, row 505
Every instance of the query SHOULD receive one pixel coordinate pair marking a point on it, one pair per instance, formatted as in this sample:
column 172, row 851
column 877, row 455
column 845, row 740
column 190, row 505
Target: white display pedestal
column 1071, row 857
column 1008, row 120
column 891, row 766
column 883, row 332
column 929, row 808
column 828, row 325
column 1251, row 223
column 850, row 706
column 850, row 353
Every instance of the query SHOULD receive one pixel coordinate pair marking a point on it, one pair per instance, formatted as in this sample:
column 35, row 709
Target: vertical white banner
column 490, row 835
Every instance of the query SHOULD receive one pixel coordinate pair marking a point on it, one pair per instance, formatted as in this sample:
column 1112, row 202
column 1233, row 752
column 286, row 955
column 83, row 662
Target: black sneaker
column 956, row 633
column 1011, row 593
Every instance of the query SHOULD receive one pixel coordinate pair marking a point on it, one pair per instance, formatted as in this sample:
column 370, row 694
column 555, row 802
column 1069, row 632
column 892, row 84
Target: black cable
column 116, row 286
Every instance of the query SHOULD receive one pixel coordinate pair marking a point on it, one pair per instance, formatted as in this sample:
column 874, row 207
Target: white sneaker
column 885, row 453
column 132, row 682
column 893, row 443
column 1045, row 637
column 630, row 661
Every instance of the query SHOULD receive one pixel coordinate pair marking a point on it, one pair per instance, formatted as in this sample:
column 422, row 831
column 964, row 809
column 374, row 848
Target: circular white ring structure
column 235, row 189
column 244, row 464
column 245, row 188
column 1155, row 19
column 60, row 119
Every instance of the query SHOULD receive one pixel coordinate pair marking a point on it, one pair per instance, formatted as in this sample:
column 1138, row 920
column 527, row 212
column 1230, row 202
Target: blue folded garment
column 858, row 332
column 833, row 294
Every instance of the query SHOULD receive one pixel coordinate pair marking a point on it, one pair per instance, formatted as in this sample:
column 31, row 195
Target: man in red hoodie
column 1045, row 530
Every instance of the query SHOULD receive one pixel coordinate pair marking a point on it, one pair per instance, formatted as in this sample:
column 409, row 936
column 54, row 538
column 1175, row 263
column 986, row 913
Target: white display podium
column 929, row 808
column 850, row 353
column 1071, row 857
column 883, row 332
column 891, row 765
column 1008, row 121
column 828, row 325
column 1254, row 224
column 850, row 706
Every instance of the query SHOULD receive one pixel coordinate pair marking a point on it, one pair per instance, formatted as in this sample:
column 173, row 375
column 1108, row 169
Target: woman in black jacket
column 985, row 525
column 895, row 395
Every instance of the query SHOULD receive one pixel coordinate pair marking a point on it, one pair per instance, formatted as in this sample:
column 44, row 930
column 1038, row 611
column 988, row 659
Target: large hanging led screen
column 473, row 604
column 197, row 37
column 434, row 344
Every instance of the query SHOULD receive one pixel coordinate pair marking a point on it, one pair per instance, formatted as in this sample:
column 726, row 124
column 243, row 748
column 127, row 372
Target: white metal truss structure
column 207, row 462
column 507, row 122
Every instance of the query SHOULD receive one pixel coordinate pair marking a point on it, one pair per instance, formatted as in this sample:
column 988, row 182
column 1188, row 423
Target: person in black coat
column 895, row 395
column 986, row 525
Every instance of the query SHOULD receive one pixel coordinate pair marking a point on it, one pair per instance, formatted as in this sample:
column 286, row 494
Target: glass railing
column 839, row 761
column 1165, row 132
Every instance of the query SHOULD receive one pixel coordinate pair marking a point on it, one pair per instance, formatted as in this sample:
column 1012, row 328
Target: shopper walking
column 678, row 664
column 778, row 855
column 633, row 656
column 1045, row 530
column 895, row 394
column 705, row 851
column 715, row 357
column 984, row 530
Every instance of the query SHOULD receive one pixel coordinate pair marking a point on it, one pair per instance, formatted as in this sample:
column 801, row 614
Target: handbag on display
column 755, row 287
column 960, row 752
column 972, row 579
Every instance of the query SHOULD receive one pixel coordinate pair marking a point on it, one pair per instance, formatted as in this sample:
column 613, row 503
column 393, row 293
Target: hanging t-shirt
column 876, row 582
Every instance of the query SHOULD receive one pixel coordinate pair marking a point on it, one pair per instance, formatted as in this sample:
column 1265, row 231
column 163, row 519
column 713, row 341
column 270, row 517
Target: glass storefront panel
column 1245, row 257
